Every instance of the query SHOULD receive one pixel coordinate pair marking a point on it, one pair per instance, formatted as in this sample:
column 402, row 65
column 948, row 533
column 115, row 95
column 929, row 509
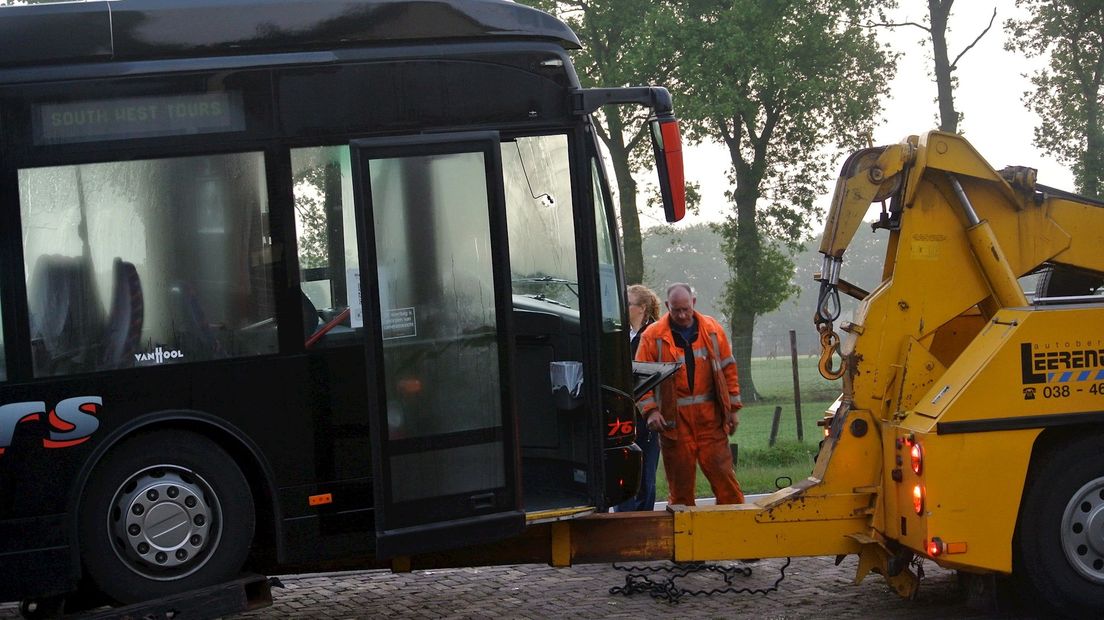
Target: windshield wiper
column 552, row 279
column 548, row 300
column 568, row 284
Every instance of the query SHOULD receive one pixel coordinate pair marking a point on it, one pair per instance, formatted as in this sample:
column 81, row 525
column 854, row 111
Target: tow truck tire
column 1060, row 539
column 165, row 512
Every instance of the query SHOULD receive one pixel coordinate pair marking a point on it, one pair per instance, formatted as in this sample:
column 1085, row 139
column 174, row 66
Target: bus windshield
column 537, row 177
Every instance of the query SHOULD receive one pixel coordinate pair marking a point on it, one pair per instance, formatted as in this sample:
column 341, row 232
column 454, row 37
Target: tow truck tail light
column 917, row 456
column 935, row 547
column 918, row 499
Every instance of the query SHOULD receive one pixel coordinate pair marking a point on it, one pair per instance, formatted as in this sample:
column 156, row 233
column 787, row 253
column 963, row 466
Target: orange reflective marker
column 318, row 500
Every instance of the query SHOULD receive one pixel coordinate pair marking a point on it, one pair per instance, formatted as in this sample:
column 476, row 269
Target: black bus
column 284, row 281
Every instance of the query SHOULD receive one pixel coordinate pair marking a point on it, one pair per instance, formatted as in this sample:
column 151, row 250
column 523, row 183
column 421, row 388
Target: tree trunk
column 626, row 197
column 742, row 328
column 747, row 269
column 948, row 117
column 745, row 259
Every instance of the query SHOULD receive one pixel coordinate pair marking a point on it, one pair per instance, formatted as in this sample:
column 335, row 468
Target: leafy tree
column 1067, row 95
column 617, row 37
column 310, row 215
column 778, row 83
column 936, row 25
column 687, row 255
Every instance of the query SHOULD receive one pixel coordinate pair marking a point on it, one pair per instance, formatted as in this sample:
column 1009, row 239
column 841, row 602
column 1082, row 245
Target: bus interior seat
column 194, row 335
column 66, row 316
column 124, row 322
column 311, row 319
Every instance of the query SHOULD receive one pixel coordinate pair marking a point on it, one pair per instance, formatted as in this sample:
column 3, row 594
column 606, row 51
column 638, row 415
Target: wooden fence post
column 774, row 426
column 796, row 384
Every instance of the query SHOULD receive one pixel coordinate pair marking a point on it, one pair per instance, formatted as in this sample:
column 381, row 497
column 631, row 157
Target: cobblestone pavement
column 813, row 587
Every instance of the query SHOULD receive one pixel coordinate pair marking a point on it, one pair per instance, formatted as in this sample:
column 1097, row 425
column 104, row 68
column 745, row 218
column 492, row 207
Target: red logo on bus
column 620, row 428
column 71, row 422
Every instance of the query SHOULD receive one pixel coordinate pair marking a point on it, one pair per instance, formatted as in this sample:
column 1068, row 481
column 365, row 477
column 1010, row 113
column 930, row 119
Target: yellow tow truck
column 970, row 430
column 975, row 416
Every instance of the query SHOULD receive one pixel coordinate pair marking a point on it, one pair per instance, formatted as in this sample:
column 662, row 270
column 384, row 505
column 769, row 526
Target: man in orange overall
column 697, row 409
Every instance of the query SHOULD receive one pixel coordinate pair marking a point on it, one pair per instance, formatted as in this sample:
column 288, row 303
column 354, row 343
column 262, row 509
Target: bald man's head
column 680, row 303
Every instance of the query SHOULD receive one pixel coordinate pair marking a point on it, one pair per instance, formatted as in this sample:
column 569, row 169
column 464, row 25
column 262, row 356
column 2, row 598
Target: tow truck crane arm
column 1032, row 222
column 1037, row 218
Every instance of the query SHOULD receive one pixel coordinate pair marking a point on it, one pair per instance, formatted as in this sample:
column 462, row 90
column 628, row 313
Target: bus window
column 612, row 292
column 325, row 225
column 539, row 214
column 150, row 262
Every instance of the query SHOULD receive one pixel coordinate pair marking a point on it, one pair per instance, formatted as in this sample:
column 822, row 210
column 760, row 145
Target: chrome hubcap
column 164, row 522
column 1083, row 531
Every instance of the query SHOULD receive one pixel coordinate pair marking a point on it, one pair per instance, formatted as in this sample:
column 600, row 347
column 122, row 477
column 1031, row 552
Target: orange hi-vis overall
column 699, row 435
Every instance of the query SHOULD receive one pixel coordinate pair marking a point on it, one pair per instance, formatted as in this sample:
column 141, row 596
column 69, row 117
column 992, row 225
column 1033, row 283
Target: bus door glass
column 435, row 286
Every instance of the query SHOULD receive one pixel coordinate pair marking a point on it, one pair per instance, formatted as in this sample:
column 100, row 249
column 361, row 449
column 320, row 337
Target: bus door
column 435, row 290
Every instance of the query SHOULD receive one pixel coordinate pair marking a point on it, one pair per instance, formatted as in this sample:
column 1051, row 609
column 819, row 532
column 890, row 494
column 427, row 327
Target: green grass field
column 761, row 468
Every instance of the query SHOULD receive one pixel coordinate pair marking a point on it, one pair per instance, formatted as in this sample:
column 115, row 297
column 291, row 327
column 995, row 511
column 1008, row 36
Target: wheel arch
column 245, row 452
column 1054, row 437
column 1051, row 438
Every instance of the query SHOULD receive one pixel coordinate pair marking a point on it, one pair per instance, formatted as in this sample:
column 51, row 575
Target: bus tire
column 1060, row 539
column 165, row 512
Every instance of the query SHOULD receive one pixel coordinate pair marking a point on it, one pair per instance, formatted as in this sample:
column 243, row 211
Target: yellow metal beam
column 803, row 526
column 561, row 543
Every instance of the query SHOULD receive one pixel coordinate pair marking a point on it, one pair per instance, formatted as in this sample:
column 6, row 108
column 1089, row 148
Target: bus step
column 243, row 594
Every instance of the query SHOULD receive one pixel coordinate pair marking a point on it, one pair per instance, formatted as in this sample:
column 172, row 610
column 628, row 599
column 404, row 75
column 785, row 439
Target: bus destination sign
column 138, row 117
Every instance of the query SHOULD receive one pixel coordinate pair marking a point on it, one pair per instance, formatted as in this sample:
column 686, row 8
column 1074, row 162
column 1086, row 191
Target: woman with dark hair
column 643, row 311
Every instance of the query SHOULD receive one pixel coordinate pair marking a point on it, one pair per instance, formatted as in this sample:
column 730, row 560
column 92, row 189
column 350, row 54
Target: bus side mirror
column 667, row 146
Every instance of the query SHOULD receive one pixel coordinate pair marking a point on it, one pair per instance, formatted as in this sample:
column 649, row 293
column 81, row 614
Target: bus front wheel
column 1060, row 540
column 165, row 512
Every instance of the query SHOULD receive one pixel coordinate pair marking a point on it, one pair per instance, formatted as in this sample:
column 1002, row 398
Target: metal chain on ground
column 665, row 588
column 918, row 566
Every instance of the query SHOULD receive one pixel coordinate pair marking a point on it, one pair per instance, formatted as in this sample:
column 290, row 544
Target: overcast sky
column 991, row 83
